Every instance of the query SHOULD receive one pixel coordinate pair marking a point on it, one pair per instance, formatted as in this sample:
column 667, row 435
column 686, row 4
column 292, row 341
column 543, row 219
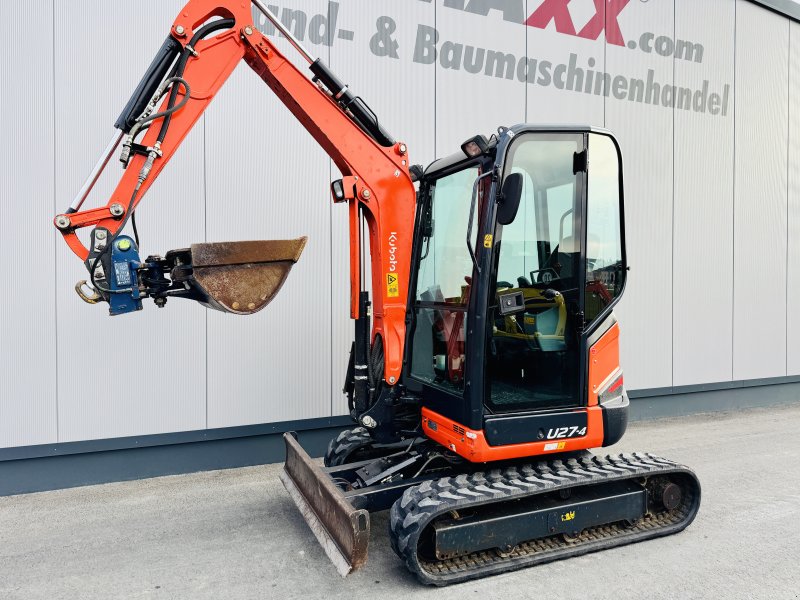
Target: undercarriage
column 452, row 521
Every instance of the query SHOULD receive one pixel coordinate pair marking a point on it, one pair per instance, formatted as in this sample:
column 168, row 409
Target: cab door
column 533, row 357
column 562, row 262
column 444, row 284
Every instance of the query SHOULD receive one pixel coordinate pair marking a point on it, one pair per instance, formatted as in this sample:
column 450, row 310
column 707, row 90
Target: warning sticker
column 487, row 240
column 554, row 446
column 392, row 285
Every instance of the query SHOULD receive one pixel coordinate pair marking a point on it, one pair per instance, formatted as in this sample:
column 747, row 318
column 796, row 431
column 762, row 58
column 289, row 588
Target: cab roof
column 452, row 161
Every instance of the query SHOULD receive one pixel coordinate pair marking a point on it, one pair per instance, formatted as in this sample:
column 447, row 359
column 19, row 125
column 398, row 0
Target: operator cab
column 516, row 227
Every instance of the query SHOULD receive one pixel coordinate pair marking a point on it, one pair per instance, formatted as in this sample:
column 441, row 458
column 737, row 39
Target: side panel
column 644, row 130
column 702, row 279
column 473, row 445
column 603, row 361
column 140, row 373
column 28, row 311
column 762, row 63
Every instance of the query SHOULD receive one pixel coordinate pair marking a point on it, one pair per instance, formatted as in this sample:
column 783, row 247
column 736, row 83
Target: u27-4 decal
column 560, row 433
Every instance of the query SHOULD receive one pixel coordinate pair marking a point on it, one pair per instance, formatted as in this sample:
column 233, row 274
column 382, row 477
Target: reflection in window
column 438, row 347
column 605, row 272
column 444, row 283
column 540, row 247
column 446, row 265
column 531, row 355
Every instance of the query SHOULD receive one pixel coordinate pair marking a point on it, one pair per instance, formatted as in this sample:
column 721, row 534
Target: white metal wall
column 645, row 134
column 793, row 229
column 266, row 179
column 702, row 229
column 28, row 311
column 713, row 202
column 101, row 359
column 760, row 196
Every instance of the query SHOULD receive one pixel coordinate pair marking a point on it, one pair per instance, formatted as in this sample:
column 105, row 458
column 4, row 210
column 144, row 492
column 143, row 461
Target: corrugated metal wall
column 702, row 229
column 713, row 202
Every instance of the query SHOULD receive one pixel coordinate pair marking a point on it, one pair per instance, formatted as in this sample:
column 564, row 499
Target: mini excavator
column 485, row 362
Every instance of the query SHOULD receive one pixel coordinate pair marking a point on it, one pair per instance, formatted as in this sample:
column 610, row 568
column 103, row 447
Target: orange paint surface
column 472, row 444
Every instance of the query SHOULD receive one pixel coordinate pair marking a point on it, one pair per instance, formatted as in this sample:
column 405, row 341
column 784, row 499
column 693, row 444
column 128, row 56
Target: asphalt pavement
column 236, row 534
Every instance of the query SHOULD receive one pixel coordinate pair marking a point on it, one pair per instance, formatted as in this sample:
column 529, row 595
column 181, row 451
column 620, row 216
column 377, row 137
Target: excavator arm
column 206, row 42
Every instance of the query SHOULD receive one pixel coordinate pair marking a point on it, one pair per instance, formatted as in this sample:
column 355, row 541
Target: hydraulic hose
column 137, row 105
column 201, row 33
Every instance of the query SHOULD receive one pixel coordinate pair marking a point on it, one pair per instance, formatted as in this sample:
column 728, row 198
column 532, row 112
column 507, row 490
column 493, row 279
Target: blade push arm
column 376, row 182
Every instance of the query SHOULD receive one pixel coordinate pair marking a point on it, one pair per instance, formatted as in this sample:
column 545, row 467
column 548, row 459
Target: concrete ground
column 236, row 534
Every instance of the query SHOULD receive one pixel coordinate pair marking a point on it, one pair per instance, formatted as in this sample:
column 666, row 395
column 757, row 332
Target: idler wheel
column 667, row 494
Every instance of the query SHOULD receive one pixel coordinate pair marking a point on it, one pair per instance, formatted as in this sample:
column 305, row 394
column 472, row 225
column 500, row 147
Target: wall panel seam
column 733, row 207
column 672, row 240
column 205, row 239
column 788, row 151
column 330, row 258
column 55, row 211
column 330, row 287
column 605, row 66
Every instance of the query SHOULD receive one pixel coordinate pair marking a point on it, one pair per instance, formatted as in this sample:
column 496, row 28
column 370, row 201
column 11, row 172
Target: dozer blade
column 242, row 277
column 341, row 529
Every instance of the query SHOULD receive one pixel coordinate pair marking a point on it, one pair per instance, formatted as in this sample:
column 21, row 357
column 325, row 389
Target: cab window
column 605, row 270
column 533, row 354
column 444, row 283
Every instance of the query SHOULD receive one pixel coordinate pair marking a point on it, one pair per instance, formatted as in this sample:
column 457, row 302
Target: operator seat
column 563, row 261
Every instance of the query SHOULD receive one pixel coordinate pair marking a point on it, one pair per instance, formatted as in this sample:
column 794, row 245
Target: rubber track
column 421, row 504
column 342, row 446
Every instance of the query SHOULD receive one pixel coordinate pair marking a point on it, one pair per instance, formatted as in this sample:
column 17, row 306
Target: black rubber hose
column 177, row 72
column 370, row 371
column 201, row 33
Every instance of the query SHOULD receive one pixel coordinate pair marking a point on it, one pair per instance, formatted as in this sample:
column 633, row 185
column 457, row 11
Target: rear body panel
column 473, row 445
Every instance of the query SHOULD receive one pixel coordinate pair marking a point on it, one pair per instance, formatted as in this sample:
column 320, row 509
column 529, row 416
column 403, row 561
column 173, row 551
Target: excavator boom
column 208, row 39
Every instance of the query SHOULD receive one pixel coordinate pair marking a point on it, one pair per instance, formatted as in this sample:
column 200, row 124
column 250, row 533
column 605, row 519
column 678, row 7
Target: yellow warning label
column 554, row 446
column 487, row 240
column 570, row 516
column 392, row 285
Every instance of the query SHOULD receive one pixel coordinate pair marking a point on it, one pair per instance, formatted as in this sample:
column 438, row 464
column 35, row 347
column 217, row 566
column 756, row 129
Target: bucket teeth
column 243, row 277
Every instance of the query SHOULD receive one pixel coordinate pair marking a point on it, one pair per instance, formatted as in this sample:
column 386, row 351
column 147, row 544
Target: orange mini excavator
column 485, row 365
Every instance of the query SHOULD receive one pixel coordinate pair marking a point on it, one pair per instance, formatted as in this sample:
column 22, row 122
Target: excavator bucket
column 242, row 277
column 341, row 529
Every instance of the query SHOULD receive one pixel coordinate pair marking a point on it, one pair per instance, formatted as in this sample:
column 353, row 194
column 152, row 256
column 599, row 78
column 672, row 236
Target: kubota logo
column 393, row 251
